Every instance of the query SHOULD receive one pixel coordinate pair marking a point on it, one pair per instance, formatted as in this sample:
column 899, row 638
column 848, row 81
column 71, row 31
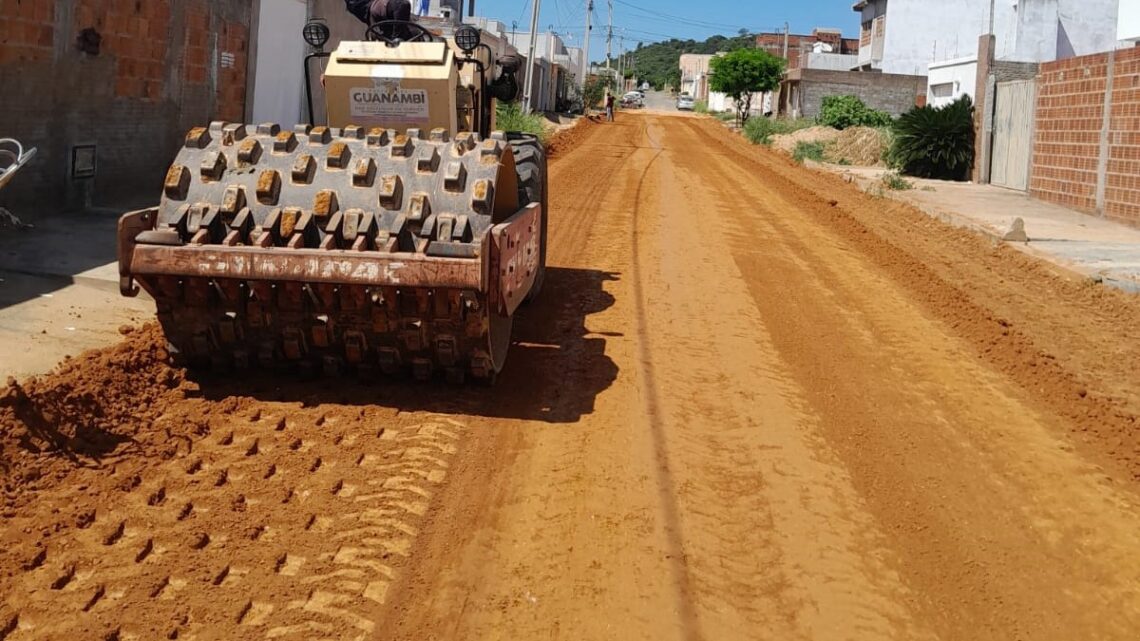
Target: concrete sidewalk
column 1089, row 245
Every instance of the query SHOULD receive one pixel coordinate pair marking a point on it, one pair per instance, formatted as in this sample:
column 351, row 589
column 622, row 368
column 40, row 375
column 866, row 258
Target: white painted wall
column 919, row 32
column 278, row 89
column 959, row 74
column 761, row 102
column 1090, row 26
column 831, row 61
column 1128, row 22
column 576, row 63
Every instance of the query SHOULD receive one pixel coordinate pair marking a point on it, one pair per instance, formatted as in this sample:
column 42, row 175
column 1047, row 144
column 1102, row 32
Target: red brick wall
column 135, row 34
column 773, row 43
column 27, row 31
column 163, row 66
column 1070, row 113
column 1122, row 180
column 233, row 41
column 196, row 55
column 1070, row 121
column 204, row 32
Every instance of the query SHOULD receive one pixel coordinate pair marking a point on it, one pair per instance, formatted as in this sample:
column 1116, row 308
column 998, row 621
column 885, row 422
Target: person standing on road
column 609, row 106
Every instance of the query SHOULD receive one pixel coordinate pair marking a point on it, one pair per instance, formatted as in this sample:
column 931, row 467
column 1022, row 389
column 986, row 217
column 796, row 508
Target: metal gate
column 1013, row 133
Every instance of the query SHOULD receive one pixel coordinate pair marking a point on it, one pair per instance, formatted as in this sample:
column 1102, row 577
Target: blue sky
column 652, row 20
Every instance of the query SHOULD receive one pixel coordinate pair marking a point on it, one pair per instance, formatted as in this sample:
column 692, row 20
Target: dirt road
column 754, row 403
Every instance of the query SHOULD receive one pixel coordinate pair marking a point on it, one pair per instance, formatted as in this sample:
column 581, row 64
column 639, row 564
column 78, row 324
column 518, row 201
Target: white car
column 685, row 103
column 633, row 100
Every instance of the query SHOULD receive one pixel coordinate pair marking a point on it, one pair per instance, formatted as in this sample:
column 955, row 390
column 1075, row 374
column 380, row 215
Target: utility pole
column 586, row 46
column 610, row 35
column 530, row 58
column 621, row 63
column 786, row 30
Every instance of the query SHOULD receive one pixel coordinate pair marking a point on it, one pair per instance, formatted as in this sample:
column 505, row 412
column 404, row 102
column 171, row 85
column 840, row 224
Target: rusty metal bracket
column 131, row 225
column 515, row 256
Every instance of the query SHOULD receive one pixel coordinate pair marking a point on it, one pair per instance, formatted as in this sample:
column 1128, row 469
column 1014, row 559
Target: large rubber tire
column 530, row 165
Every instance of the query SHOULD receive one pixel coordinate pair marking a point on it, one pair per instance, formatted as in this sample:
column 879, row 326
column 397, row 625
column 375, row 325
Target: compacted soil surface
column 752, row 403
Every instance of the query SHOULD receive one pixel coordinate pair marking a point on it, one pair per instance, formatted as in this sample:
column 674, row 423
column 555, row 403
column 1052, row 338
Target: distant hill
column 658, row 63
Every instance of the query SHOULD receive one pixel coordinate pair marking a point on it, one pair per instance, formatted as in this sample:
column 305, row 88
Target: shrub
column 509, row 116
column 701, row 107
column 935, row 142
column 808, row 150
column 760, row 130
column 892, row 180
column 842, row 112
column 595, row 91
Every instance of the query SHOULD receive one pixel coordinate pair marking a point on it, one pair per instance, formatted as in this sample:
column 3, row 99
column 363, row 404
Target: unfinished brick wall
column 136, row 36
column 27, row 31
column 803, row 90
column 1122, row 171
column 162, row 67
column 232, row 43
column 1070, row 114
column 1083, row 157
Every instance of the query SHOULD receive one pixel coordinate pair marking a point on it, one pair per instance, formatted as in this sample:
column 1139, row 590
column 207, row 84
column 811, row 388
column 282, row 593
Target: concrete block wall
column 894, row 100
column 163, row 66
column 892, row 93
column 1087, row 142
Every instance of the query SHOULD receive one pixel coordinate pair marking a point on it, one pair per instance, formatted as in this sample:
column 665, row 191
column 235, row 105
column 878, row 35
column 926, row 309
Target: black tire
column 530, row 165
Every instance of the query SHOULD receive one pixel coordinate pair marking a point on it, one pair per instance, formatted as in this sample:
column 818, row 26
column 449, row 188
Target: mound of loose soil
column 787, row 142
column 569, row 137
column 90, row 408
column 860, row 146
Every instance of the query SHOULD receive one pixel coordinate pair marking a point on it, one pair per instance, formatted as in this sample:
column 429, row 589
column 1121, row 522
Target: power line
column 653, row 13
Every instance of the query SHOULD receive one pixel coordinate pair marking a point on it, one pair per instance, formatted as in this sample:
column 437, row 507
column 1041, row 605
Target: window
column 942, row 90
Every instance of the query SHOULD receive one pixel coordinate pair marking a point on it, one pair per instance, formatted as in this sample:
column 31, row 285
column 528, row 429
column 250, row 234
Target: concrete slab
column 42, row 322
column 1087, row 244
column 59, row 292
column 78, row 247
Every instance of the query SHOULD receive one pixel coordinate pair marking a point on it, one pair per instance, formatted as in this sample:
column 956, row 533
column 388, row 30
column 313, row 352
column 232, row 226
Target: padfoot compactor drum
column 400, row 240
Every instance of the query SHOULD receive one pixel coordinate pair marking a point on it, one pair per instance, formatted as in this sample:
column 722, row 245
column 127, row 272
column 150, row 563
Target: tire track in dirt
column 254, row 518
column 610, row 528
column 738, row 412
column 1005, row 303
column 280, row 524
column 752, row 480
column 1001, row 501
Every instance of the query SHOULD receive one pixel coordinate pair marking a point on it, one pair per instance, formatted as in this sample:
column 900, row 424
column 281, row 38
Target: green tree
column 594, row 91
column 744, row 72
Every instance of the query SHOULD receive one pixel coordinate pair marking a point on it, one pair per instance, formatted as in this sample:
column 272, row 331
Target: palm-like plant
column 935, row 142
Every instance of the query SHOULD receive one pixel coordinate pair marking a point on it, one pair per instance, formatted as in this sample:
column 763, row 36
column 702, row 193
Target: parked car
column 685, row 103
column 632, row 100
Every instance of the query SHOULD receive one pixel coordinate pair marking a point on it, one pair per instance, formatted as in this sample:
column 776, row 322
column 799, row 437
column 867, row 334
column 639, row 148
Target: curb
column 960, row 221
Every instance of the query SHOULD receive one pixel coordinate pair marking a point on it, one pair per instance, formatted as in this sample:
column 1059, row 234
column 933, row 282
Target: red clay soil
column 98, row 405
column 752, row 403
column 568, row 138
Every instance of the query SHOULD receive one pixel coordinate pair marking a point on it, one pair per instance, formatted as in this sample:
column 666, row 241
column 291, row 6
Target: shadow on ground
column 554, row 373
column 59, row 251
